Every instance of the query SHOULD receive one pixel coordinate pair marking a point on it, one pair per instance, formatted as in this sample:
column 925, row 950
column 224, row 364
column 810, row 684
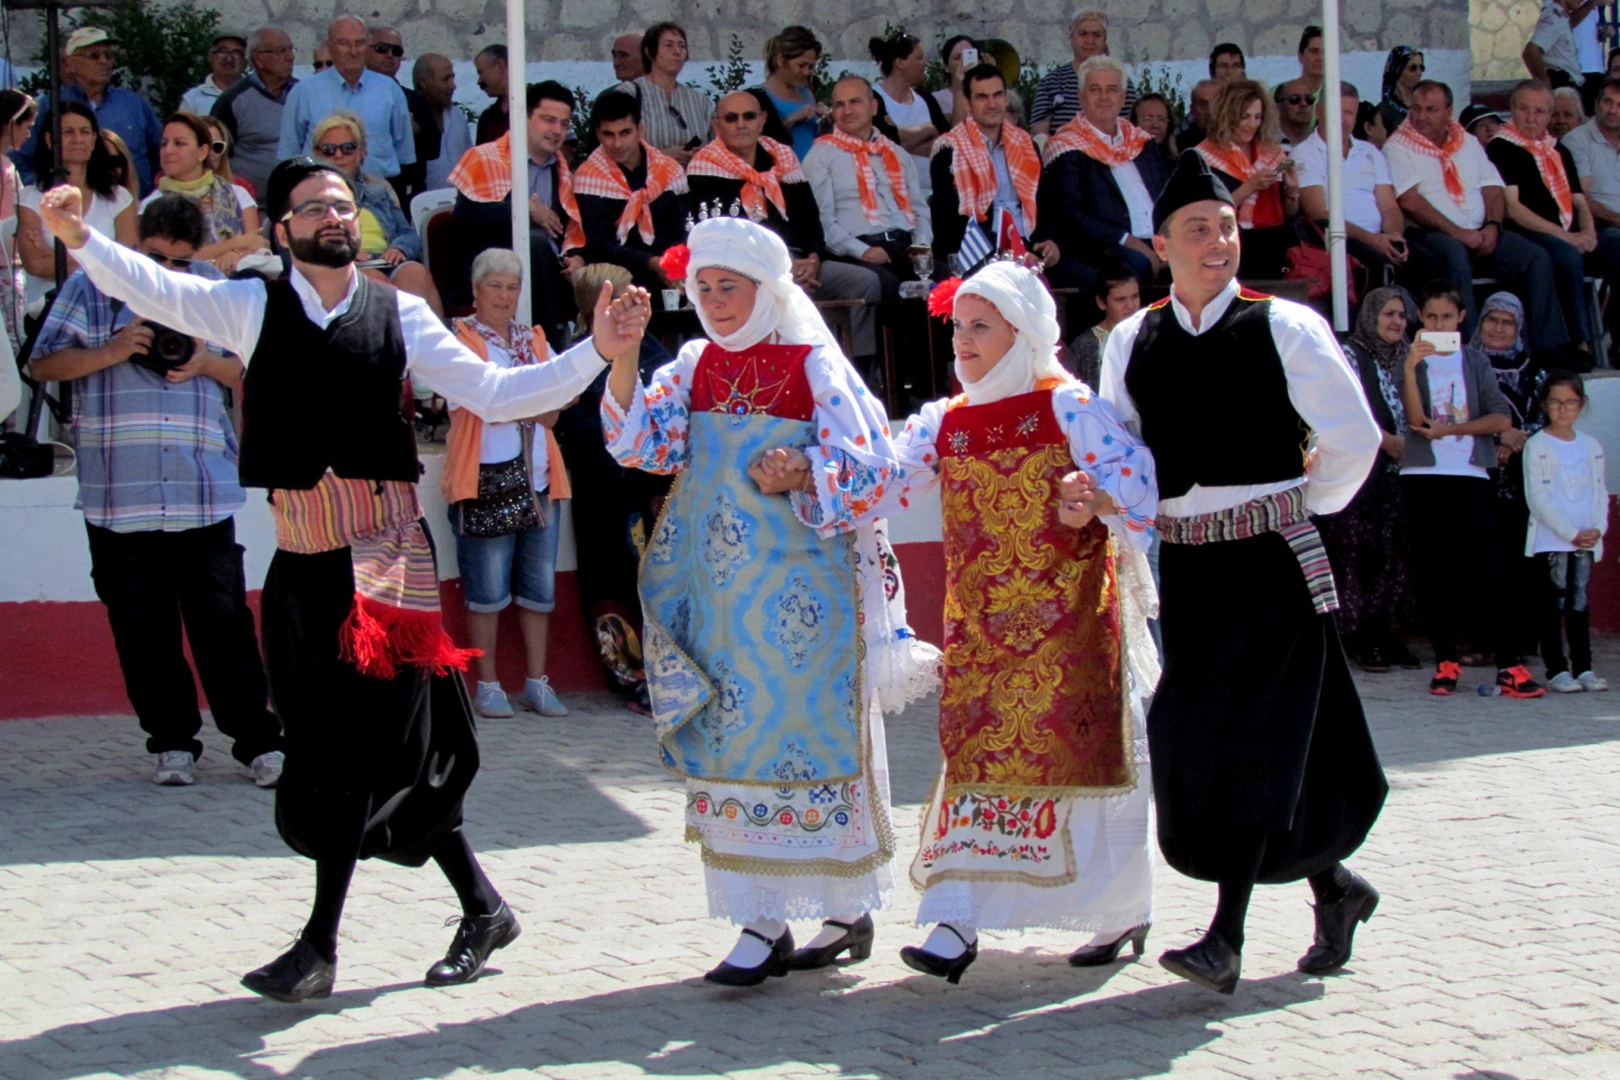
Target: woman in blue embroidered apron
column 756, row 611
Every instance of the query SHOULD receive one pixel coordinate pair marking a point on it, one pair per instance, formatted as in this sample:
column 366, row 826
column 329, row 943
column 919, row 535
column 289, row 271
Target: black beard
column 333, row 252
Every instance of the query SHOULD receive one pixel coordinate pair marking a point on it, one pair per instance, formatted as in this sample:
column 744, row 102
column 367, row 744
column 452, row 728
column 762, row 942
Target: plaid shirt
column 152, row 454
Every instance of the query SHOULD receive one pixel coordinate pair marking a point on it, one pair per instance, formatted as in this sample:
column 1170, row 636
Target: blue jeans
column 492, row 567
column 1570, row 267
column 1523, row 269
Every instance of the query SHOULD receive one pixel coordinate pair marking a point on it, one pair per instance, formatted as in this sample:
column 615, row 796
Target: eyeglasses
column 238, row 53
column 279, row 50
column 382, row 48
column 745, row 117
column 169, row 260
column 217, row 146
column 1564, row 403
column 317, row 209
column 1298, row 99
column 95, row 54
column 332, row 149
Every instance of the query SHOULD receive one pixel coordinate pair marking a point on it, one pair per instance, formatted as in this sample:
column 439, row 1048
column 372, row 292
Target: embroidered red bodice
column 766, row 379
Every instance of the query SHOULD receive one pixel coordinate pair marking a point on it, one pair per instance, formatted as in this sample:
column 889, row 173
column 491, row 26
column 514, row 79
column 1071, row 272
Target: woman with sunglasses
column 388, row 241
column 109, row 207
column 18, row 112
column 1402, row 72
column 220, row 148
column 230, row 211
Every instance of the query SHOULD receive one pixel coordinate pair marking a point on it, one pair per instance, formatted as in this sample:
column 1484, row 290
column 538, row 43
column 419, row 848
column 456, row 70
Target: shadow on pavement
column 991, row 1024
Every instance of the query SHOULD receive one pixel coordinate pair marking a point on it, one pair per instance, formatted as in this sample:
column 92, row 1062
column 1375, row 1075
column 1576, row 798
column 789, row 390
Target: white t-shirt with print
column 1571, row 490
column 1448, row 404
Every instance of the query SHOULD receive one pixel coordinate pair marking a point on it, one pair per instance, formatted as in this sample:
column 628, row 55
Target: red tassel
column 377, row 639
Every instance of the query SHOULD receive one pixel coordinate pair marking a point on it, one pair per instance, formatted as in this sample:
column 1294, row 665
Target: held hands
column 1079, row 501
column 617, row 325
column 1587, row 539
column 783, row 469
column 61, row 209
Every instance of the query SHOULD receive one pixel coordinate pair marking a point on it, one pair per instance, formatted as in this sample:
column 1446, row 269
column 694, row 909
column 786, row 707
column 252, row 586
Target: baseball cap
column 229, row 35
column 1475, row 113
column 85, row 36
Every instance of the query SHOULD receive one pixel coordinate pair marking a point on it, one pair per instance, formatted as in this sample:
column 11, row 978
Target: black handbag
column 505, row 502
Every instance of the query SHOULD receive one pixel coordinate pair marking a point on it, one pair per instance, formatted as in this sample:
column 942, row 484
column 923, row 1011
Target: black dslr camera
column 170, row 348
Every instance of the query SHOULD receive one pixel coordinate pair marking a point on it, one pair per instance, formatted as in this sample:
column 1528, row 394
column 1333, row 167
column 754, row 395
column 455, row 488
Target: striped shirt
column 153, row 455
column 671, row 121
column 1057, row 97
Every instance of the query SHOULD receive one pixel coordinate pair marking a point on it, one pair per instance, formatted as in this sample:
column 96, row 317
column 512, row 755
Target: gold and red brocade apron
column 1033, row 713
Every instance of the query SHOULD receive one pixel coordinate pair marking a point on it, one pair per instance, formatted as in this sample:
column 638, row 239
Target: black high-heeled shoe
column 298, row 974
column 1211, row 963
column 1336, row 927
column 1098, row 955
column 920, row 959
column 857, row 939
column 777, row 964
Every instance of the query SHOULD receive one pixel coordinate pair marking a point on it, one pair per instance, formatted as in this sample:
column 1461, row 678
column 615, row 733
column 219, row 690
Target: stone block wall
column 1498, row 31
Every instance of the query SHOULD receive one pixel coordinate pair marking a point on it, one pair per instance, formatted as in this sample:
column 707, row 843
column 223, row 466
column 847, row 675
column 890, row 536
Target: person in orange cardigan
column 503, row 482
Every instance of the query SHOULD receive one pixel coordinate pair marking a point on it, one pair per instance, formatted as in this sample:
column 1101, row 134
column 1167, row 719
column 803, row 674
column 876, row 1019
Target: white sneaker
column 1590, row 681
column 1565, row 683
column 175, row 768
column 538, row 697
column 267, row 768
column 491, row 701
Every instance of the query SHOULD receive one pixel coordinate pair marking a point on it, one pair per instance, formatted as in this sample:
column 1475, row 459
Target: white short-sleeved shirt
column 503, row 442
column 102, row 216
column 1409, row 169
column 1364, row 169
column 911, row 115
column 1448, row 404
column 1597, row 162
column 1557, row 39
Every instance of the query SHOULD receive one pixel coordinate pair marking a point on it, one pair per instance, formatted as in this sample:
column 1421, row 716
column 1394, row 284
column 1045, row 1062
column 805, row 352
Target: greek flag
column 976, row 247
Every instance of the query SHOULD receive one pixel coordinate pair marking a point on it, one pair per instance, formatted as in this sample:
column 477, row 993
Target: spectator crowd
column 1460, row 217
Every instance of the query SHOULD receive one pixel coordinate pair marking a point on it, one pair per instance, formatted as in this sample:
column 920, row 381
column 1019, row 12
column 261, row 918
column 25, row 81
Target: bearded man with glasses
column 380, row 745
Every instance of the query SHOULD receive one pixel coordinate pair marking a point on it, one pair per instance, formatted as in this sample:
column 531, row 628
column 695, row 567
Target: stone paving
column 127, row 912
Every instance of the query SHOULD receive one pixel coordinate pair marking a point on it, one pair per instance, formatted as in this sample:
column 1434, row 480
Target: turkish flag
column 1007, row 238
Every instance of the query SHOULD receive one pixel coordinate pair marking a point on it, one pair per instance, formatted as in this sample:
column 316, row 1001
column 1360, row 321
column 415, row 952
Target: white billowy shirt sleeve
column 1327, row 394
column 853, row 457
column 1111, row 381
column 1116, row 459
column 651, row 434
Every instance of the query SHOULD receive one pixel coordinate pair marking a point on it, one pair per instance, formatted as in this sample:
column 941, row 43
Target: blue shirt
column 376, row 99
column 153, row 455
column 123, row 111
column 803, row 133
column 1006, row 196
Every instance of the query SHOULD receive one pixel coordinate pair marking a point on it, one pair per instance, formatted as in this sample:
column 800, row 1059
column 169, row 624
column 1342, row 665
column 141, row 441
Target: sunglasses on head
column 382, row 48
column 332, row 149
column 745, row 117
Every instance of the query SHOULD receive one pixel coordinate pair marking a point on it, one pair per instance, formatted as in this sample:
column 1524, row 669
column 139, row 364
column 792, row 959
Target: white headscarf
column 758, row 254
column 1024, row 302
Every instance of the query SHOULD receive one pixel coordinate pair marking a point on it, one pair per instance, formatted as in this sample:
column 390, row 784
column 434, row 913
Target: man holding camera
column 158, row 484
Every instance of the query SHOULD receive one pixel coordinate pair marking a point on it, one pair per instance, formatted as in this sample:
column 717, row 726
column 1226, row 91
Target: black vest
column 315, row 399
column 1214, row 408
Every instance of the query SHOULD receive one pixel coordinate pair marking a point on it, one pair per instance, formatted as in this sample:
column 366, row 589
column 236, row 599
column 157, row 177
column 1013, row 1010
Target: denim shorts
column 494, row 567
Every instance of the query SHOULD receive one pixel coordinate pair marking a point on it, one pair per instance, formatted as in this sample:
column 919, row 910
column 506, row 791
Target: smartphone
column 1444, row 341
column 970, row 59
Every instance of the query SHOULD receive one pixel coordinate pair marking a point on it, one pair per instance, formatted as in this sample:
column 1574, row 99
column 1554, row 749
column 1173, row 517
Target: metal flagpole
column 517, row 95
column 1333, row 132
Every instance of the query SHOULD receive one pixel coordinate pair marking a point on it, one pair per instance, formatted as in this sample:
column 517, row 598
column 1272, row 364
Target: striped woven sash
column 1282, row 513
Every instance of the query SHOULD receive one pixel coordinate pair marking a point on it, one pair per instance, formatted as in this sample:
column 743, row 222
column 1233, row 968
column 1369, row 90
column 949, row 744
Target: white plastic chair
column 423, row 207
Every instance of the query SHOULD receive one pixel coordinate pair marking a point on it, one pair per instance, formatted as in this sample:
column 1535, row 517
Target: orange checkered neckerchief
column 758, row 187
column 975, row 176
column 1409, row 137
column 1234, row 161
column 600, row 176
column 1080, row 134
column 1550, row 163
column 863, row 152
column 484, row 174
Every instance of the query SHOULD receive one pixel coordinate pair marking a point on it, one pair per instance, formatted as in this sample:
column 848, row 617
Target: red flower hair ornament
column 674, row 262
column 942, row 298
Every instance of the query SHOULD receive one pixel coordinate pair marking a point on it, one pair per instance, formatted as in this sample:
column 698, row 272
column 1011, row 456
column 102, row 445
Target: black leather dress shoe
column 1405, row 657
column 298, row 974
column 1211, row 963
column 857, row 939
column 919, row 959
column 1336, row 927
column 1098, row 955
column 1374, row 659
column 476, row 938
column 778, row 963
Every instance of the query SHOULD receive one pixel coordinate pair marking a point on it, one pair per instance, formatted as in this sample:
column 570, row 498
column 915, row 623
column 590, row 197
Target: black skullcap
column 292, row 172
column 1190, row 183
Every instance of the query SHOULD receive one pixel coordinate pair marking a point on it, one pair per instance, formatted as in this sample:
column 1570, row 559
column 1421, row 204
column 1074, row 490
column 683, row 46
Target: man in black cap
column 1263, row 768
column 380, row 747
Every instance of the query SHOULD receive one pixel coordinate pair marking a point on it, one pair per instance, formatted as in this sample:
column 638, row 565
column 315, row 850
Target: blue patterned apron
column 752, row 632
